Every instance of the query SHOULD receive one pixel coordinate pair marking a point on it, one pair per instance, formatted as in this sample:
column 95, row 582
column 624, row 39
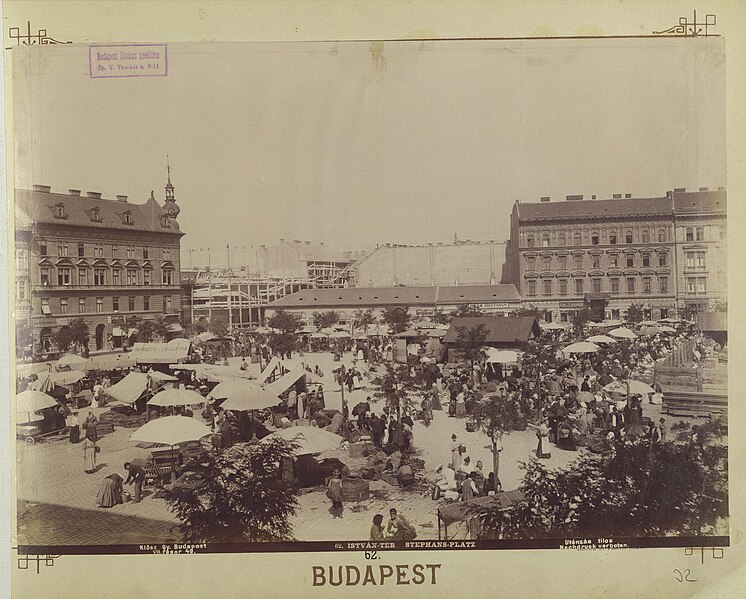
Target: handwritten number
column 684, row 577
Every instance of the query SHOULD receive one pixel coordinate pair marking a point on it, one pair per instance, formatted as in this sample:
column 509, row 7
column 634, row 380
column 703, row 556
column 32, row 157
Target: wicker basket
column 355, row 489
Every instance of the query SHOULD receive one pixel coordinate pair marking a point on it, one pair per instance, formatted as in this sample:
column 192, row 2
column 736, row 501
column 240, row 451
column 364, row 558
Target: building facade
column 109, row 262
column 601, row 254
column 701, row 249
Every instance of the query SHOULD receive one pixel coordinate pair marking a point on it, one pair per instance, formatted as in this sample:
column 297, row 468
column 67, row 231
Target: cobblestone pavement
column 57, row 500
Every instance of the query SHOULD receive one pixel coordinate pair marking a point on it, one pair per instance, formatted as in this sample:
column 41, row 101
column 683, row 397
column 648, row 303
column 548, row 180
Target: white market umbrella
column 30, row 401
column 581, row 347
column 667, row 329
column 601, row 339
column 171, row 430
column 647, row 323
column 623, row 333
column 319, row 335
column 505, row 356
column 635, row 388
column 309, row 438
column 339, row 335
column 176, row 397
column 651, row 330
column 71, row 360
column 671, row 320
column 251, row 397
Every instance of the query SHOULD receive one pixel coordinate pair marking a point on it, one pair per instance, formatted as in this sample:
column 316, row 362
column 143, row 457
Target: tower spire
column 171, row 208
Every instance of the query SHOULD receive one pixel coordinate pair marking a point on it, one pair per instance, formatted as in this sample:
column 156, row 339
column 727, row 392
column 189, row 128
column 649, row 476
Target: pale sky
column 334, row 143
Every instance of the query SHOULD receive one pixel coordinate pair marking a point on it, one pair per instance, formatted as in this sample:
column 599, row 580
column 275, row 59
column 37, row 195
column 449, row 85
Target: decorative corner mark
column 24, row 559
column 27, row 39
column 717, row 552
column 691, row 29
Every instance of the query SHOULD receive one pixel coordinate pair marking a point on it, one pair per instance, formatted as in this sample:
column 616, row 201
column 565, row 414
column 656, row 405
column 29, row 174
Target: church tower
column 171, row 207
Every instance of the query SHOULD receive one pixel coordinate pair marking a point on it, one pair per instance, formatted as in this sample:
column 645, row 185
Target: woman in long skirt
column 89, row 456
column 334, row 492
column 74, row 425
column 110, row 492
column 90, row 427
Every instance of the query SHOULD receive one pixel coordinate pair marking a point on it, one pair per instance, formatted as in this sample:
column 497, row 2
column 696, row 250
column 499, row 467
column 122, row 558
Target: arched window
column 645, row 236
column 561, row 239
column 576, row 239
column 530, row 241
column 661, row 235
column 545, row 240
column 594, row 238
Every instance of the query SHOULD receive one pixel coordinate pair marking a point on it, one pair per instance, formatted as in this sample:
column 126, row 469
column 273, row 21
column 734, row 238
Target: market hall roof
column 401, row 296
column 47, row 207
column 498, row 329
column 594, row 209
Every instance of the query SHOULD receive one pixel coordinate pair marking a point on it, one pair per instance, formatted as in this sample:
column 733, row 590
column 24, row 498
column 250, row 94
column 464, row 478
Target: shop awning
column 289, row 379
column 160, row 353
column 130, row 388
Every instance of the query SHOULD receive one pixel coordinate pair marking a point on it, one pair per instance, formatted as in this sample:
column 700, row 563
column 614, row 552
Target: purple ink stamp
column 106, row 61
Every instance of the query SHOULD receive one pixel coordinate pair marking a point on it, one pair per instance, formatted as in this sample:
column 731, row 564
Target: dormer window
column 95, row 215
column 165, row 221
column 59, row 211
column 127, row 217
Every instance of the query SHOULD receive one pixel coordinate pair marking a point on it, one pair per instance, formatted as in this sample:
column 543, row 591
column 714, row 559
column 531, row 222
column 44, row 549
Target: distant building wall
column 462, row 263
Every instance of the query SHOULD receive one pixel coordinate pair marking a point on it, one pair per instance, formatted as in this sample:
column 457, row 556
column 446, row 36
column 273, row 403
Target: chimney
column 627, row 195
column 593, row 197
column 544, row 198
column 573, row 198
column 721, row 188
column 122, row 199
column 43, row 188
column 669, row 195
column 616, row 196
column 679, row 189
column 704, row 189
column 74, row 192
column 297, row 241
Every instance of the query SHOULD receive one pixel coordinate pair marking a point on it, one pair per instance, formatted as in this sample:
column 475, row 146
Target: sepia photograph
column 317, row 296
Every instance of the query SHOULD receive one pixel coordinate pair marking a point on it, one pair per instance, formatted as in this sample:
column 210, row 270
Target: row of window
column 646, row 236
column 65, row 276
column 628, row 237
column 596, row 286
column 116, row 303
column 131, row 252
column 546, row 261
column 94, row 214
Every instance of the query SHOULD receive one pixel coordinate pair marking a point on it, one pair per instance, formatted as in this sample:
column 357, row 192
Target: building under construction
column 239, row 295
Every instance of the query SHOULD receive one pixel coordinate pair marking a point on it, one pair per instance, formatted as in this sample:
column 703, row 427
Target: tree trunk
column 495, row 461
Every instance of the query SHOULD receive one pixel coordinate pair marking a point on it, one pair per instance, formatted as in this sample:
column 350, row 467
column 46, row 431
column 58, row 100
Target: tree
column 528, row 311
column 79, row 331
column 497, row 415
column 397, row 318
column 322, row 320
column 581, row 318
column 63, row 338
column 364, row 318
column 24, row 336
column 468, row 310
column 440, row 317
column 634, row 490
column 394, row 385
column 150, row 328
column 218, row 326
column 635, row 314
column 242, row 499
column 287, row 322
column 470, row 341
